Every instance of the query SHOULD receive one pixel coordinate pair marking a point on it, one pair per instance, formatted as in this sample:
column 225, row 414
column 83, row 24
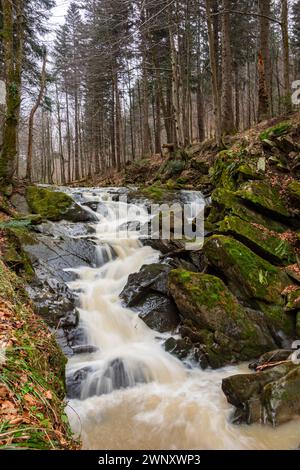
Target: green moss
column 226, row 202
column 225, row 173
column 264, row 197
column 51, row 205
column 247, row 274
column 262, row 241
column 154, row 192
column 294, row 190
column 227, row 333
column 13, row 254
column 293, row 300
column 275, row 131
column 34, row 366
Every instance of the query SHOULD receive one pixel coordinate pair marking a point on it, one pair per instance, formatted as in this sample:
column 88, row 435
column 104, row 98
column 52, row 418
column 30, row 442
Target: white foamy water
column 165, row 405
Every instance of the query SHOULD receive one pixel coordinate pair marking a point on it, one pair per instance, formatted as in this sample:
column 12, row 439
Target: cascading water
column 134, row 395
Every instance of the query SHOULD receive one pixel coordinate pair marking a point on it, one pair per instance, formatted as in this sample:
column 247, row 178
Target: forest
column 149, row 231
column 119, row 79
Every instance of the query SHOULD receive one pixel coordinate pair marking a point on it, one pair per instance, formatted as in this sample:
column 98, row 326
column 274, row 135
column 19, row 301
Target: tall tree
column 286, row 55
column 264, row 64
column 13, row 35
column 227, row 98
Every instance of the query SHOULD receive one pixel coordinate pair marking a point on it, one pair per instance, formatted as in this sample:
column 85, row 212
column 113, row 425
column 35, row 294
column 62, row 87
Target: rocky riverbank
column 238, row 298
column 235, row 300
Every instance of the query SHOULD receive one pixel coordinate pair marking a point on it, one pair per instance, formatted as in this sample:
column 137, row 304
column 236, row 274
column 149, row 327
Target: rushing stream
column 134, row 395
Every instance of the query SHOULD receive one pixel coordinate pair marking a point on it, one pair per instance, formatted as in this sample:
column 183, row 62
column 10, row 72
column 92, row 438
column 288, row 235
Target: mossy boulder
column 294, row 190
column 56, row 205
column 226, row 331
column 263, row 196
column 293, row 300
column 275, row 131
column 226, row 202
column 260, row 239
column 272, row 396
column 247, row 172
column 247, row 274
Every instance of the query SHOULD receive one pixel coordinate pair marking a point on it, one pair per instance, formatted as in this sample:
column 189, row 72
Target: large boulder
column 56, row 205
column 265, row 243
column 271, row 396
column 247, row 274
column 225, row 202
column 146, row 292
column 264, row 197
column 226, row 332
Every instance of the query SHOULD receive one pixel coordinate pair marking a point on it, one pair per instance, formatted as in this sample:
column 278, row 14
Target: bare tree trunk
column 286, row 55
column 264, row 65
column 12, row 38
column 227, row 125
column 31, row 118
column 214, row 68
column 60, row 140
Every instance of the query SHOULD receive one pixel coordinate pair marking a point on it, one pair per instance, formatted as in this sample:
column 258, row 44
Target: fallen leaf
column 48, row 395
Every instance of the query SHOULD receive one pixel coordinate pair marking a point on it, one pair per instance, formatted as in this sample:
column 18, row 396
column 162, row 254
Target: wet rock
column 147, row 293
column 87, row 382
column 158, row 312
column 85, row 349
column 271, row 357
column 74, row 382
column 51, row 257
column 151, row 278
column 272, row 396
column 184, row 348
column 267, row 244
column 226, row 331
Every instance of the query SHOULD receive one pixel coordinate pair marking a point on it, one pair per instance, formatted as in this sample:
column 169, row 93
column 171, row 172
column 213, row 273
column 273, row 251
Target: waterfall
column 131, row 394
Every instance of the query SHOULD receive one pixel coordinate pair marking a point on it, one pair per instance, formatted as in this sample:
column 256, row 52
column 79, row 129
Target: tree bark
column 286, row 55
column 214, row 76
column 264, row 67
column 31, row 118
column 227, row 126
column 12, row 37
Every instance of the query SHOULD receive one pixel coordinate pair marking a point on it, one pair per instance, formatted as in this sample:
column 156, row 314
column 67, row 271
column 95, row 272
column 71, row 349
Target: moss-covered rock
column 264, row 197
column 294, row 190
column 260, row 239
column 275, row 131
column 52, row 205
column 247, row 274
column 56, row 205
column 247, row 172
column 226, row 202
column 293, row 300
column 272, row 396
column 226, row 331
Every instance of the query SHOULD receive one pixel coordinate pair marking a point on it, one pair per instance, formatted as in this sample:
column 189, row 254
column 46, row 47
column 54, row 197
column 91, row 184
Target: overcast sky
column 58, row 13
